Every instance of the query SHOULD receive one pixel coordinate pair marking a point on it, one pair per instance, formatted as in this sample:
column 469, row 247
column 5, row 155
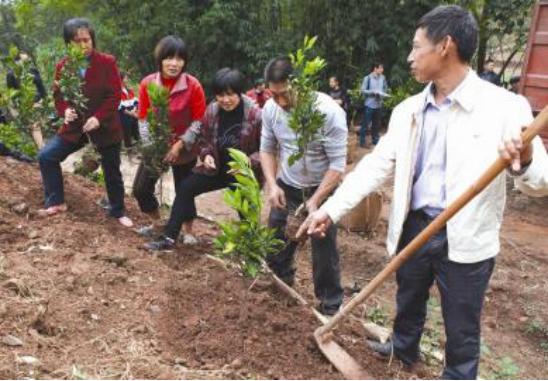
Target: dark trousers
column 371, row 116
column 184, row 206
column 325, row 256
column 462, row 288
column 144, row 184
column 57, row 150
column 131, row 129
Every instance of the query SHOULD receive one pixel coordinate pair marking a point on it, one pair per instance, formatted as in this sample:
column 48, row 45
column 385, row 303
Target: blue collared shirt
column 429, row 193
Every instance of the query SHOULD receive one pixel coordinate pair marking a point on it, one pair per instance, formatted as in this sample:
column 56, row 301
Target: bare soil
column 86, row 301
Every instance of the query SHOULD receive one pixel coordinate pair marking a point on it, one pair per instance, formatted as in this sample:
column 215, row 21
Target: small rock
column 27, row 360
column 142, row 329
column 33, row 234
column 3, row 310
column 20, row 208
column 94, row 317
column 237, row 364
column 180, row 361
column 12, row 341
column 155, row 309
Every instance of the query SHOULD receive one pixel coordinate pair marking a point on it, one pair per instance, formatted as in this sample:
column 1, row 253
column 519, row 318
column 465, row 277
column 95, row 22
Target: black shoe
column 328, row 311
column 161, row 244
column 385, row 349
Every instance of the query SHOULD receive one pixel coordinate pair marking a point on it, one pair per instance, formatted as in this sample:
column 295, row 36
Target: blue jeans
column 371, row 116
column 57, row 150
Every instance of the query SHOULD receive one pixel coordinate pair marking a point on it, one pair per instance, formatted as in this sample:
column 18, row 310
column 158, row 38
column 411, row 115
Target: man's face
column 379, row 70
column 333, row 83
column 259, row 88
column 282, row 94
column 424, row 58
column 83, row 39
column 490, row 66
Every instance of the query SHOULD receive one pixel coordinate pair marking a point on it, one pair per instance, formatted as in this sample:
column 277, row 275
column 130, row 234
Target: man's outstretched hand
column 315, row 225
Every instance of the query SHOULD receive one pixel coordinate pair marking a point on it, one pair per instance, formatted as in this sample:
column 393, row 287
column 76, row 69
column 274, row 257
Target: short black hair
column 168, row 47
column 228, row 80
column 279, row 69
column 515, row 79
column 377, row 64
column 453, row 21
column 72, row 26
column 259, row 82
column 489, row 60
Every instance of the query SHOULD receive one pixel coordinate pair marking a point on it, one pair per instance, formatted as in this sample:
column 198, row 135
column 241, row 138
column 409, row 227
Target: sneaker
column 189, row 239
column 145, row 231
column 161, row 244
column 385, row 349
column 126, row 222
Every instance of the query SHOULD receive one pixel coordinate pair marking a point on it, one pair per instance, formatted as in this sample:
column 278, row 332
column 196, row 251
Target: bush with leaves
column 246, row 241
column 12, row 138
column 155, row 147
column 21, row 103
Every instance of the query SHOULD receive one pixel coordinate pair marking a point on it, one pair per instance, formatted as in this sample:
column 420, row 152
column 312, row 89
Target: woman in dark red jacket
column 186, row 107
column 100, row 123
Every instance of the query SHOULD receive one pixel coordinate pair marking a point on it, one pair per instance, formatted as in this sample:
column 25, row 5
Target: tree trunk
column 483, row 35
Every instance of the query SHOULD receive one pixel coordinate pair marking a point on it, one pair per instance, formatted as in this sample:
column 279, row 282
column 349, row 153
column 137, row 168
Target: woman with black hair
column 186, row 108
column 99, row 122
column 231, row 121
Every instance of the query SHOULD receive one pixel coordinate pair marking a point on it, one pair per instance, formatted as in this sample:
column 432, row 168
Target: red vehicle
column 534, row 76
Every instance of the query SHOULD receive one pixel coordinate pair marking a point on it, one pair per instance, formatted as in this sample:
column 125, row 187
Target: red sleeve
column 197, row 102
column 60, row 104
column 113, row 93
column 144, row 101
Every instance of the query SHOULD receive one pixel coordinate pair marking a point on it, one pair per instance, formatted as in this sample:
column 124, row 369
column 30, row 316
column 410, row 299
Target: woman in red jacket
column 100, row 123
column 186, row 107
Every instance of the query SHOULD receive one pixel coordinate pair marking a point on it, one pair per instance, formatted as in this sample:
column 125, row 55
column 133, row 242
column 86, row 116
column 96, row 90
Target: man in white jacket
column 438, row 143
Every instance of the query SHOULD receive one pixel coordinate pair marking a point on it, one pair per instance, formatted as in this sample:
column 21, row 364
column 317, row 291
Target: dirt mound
column 79, row 298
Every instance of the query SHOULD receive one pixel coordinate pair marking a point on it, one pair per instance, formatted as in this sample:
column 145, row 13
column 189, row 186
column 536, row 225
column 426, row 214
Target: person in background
column 489, row 73
column 12, row 82
column 186, row 105
column 99, row 123
column 232, row 120
column 375, row 88
column 259, row 94
column 514, row 84
column 128, row 113
column 338, row 94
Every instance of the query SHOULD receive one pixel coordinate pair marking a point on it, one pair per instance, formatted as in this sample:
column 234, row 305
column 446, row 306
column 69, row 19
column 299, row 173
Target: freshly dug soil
column 87, row 301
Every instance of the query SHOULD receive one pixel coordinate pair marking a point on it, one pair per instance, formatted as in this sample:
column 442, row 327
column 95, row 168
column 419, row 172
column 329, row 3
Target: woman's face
column 228, row 100
column 172, row 67
column 83, row 39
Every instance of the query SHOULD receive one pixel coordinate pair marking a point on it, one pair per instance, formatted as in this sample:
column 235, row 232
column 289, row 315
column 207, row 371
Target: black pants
column 144, row 184
column 462, row 288
column 184, row 206
column 325, row 256
column 57, row 150
column 131, row 129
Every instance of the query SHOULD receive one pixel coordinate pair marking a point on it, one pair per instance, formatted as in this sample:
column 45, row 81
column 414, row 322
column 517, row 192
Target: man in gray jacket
column 375, row 88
